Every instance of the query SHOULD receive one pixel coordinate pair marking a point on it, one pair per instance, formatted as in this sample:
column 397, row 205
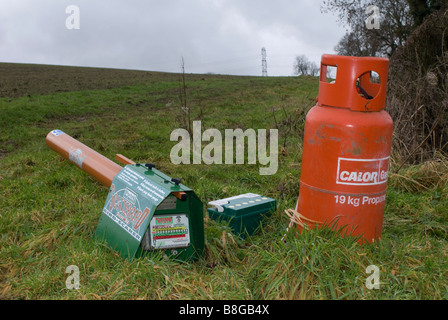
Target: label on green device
column 130, row 205
column 169, row 231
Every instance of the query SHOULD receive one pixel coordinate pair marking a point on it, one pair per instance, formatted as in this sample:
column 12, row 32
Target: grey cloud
column 222, row 36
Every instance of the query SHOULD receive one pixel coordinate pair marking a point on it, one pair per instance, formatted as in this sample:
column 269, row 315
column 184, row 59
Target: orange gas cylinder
column 346, row 149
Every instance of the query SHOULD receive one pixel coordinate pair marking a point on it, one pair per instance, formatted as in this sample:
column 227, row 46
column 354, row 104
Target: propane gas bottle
column 346, row 149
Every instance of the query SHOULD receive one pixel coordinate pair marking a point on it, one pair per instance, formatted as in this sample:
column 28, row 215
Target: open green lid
column 135, row 193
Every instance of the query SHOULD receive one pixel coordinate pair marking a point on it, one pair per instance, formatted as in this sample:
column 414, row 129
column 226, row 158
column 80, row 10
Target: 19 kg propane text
column 356, row 201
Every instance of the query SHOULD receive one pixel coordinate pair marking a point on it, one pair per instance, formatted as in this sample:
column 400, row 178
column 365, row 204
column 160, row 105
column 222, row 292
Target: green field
column 49, row 208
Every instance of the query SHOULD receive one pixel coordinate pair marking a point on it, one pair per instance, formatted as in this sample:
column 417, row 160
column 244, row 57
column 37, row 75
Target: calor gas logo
column 362, row 172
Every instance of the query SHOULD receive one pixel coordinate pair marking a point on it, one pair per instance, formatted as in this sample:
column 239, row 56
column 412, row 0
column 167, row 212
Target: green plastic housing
column 244, row 213
column 144, row 212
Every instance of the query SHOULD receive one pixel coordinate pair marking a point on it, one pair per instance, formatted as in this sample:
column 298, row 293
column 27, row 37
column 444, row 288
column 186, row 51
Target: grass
column 50, row 208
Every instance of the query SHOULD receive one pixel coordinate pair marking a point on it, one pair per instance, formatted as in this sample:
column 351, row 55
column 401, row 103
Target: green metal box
column 244, row 212
column 146, row 210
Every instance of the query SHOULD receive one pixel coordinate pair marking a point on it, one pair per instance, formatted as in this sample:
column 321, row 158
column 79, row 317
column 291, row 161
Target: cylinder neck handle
column 360, row 83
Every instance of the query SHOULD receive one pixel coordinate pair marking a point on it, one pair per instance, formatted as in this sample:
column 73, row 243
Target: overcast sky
column 219, row 36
